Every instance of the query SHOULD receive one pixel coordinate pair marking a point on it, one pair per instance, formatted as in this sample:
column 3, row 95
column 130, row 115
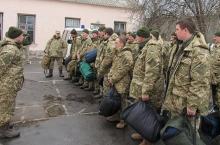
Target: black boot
column 50, row 73
column 7, row 132
column 61, row 72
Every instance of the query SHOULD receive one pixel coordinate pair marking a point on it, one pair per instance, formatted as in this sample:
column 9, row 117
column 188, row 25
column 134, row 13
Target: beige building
column 40, row 18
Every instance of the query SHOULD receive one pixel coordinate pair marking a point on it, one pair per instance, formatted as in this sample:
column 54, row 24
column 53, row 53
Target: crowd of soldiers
column 171, row 75
column 183, row 73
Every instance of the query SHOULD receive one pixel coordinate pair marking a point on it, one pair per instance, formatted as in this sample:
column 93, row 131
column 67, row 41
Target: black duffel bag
column 144, row 119
column 110, row 104
column 209, row 127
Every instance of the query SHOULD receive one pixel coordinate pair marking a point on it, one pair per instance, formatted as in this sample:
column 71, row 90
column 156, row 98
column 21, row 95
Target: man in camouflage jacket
column 11, row 78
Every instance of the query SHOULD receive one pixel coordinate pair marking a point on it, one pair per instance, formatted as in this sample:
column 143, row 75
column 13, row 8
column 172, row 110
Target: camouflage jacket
column 107, row 56
column 86, row 46
column 188, row 76
column 134, row 49
column 11, row 64
column 119, row 74
column 148, row 76
column 215, row 62
column 55, row 47
column 77, row 43
column 100, row 52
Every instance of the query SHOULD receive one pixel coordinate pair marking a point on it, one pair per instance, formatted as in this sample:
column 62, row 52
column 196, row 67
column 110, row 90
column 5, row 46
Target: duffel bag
column 179, row 131
column 209, row 126
column 45, row 62
column 86, row 71
column 144, row 119
column 90, row 56
column 110, row 104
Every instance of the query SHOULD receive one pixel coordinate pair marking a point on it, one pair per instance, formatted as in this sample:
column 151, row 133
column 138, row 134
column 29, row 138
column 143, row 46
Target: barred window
column 27, row 23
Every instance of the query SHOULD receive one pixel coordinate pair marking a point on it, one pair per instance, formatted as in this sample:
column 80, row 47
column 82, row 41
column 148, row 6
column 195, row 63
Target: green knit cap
column 14, row 32
column 143, row 32
column 217, row 34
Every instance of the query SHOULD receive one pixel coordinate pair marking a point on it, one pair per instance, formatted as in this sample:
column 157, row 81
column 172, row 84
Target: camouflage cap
column 14, row 32
column 143, row 32
column 217, row 34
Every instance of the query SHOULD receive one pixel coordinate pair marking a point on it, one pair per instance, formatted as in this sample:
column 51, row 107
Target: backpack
column 86, row 71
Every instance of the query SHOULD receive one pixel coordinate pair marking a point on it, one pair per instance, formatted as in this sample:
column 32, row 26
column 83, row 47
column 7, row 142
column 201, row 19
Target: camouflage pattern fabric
column 119, row 73
column 148, row 78
column 215, row 61
column 11, row 78
column 188, row 83
column 55, row 47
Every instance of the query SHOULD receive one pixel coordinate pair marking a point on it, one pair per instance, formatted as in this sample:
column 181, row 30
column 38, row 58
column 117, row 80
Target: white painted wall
column 50, row 16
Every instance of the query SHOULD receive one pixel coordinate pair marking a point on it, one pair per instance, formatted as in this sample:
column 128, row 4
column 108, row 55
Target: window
column 27, row 23
column 1, row 25
column 95, row 26
column 119, row 27
column 72, row 23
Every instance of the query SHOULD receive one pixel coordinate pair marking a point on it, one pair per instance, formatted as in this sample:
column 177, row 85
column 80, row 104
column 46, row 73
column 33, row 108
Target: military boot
column 68, row 77
column 145, row 142
column 8, row 132
column 75, row 79
column 61, row 72
column 136, row 136
column 90, row 88
column 50, row 73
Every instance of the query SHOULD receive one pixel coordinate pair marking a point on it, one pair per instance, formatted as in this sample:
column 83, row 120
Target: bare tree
column 154, row 13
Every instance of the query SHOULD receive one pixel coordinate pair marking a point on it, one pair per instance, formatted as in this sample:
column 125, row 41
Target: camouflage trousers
column 71, row 67
column 106, row 86
column 59, row 62
column 7, row 106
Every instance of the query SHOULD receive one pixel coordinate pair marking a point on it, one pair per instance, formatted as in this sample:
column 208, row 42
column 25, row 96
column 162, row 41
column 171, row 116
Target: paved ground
column 80, row 125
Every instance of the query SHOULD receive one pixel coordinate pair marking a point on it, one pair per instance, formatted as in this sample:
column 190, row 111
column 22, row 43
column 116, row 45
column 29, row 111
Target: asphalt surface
column 80, row 125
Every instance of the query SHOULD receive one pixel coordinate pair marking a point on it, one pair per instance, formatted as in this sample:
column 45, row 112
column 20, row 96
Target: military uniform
column 55, row 48
column 148, row 78
column 106, row 58
column 215, row 61
column 188, row 77
column 72, row 65
column 134, row 49
column 86, row 46
column 120, row 72
column 11, row 80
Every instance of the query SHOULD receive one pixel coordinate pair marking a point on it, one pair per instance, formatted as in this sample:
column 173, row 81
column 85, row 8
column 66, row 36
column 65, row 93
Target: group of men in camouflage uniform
column 172, row 76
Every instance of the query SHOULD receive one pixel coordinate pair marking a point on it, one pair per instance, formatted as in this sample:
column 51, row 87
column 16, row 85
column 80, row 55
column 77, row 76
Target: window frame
column 121, row 22
column 72, row 19
column 34, row 24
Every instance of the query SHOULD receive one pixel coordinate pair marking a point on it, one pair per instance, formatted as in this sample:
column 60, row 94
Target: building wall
column 50, row 16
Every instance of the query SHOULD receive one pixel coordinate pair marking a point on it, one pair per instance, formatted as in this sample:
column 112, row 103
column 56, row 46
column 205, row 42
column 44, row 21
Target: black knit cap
column 217, row 34
column 143, row 32
column 14, row 32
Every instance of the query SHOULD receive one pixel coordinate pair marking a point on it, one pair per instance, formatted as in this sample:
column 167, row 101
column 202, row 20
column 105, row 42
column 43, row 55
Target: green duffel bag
column 179, row 131
column 86, row 71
